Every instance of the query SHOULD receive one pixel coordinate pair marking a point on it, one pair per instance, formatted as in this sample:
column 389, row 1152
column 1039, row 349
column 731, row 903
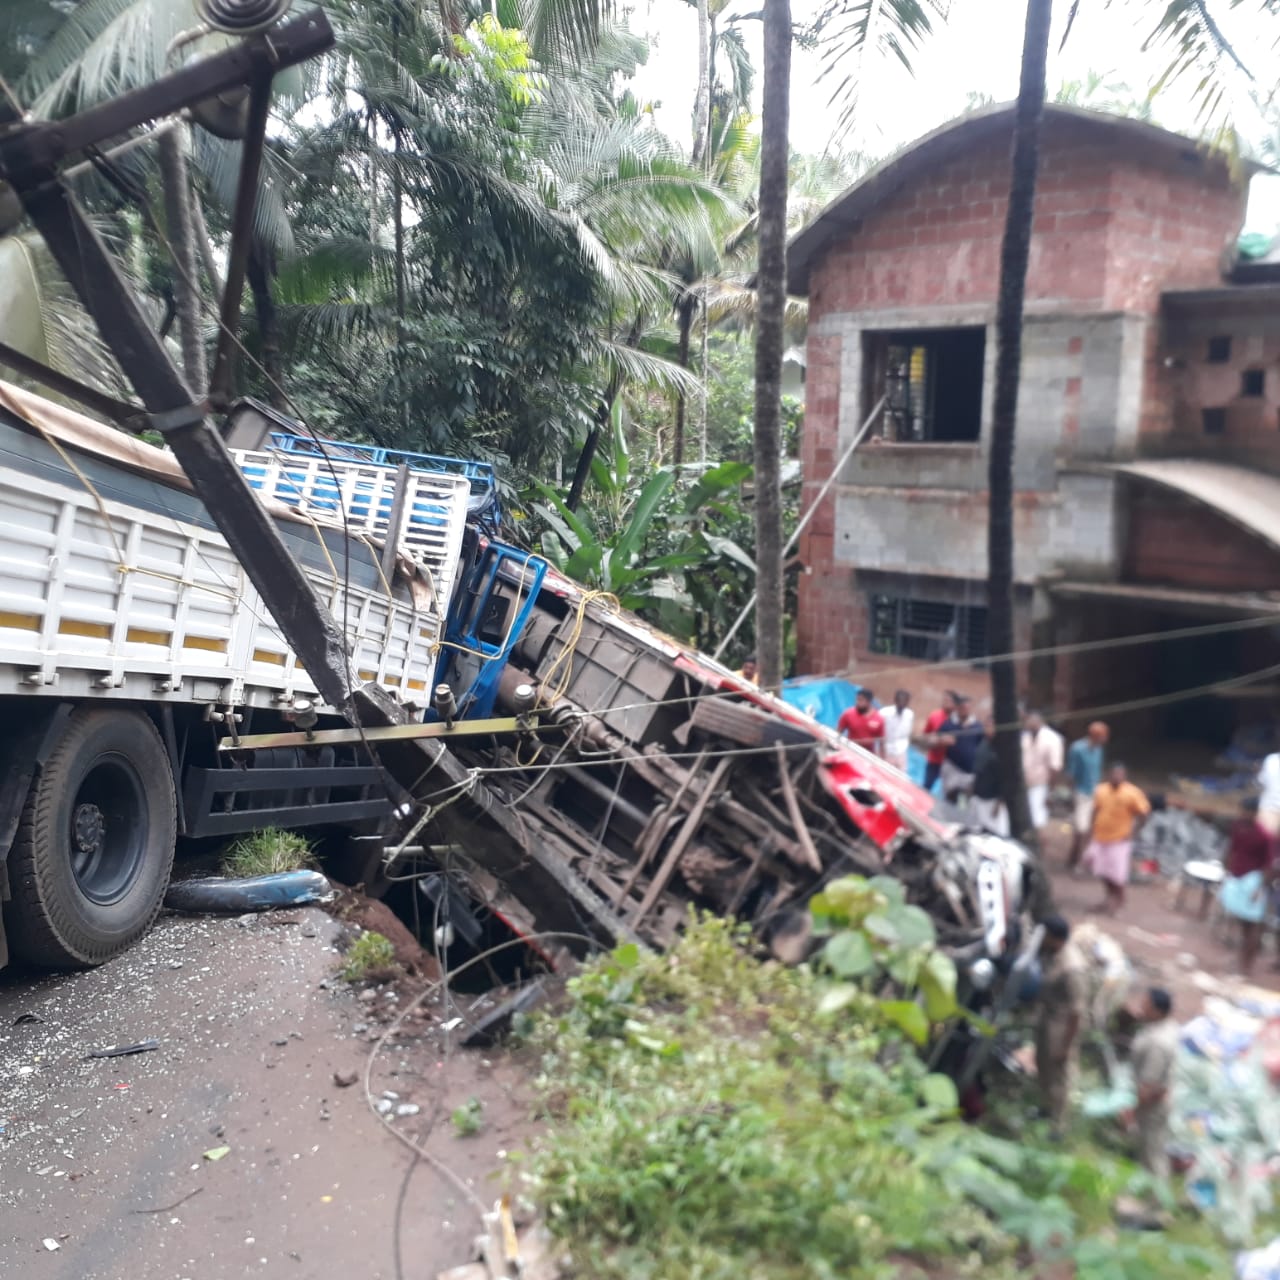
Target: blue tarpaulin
column 825, row 699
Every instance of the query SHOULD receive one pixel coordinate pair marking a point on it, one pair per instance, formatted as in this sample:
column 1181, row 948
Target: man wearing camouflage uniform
column 1063, row 992
column 1154, row 1052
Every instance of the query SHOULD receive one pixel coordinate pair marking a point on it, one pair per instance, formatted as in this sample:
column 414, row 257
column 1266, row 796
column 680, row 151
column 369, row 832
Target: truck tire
column 94, row 848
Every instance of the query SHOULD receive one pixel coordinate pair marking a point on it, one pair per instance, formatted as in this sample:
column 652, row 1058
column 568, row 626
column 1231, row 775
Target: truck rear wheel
column 93, row 852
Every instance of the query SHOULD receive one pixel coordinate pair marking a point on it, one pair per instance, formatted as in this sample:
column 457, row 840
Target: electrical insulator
column 242, row 17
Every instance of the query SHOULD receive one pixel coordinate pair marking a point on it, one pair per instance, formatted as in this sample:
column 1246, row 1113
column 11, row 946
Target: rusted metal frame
column 793, row 808
column 255, row 142
column 435, row 730
column 792, row 848
column 732, row 812
column 592, row 890
column 34, row 150
column 686, row 833
column 584, row 847
column 848, row 842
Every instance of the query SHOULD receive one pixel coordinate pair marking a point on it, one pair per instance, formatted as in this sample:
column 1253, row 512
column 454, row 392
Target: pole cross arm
column 30, row 149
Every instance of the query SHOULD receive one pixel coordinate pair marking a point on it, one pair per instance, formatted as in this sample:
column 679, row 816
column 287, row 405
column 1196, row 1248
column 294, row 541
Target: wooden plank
column 681, row 842
column 797, row 818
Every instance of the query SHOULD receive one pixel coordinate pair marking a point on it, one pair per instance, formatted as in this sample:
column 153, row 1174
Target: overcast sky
column 978, row 49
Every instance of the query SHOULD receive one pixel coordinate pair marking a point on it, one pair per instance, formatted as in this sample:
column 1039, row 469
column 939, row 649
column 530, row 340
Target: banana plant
column 655, row 549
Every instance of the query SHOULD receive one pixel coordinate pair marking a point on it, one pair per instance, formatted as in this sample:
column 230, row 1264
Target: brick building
column 1148, row 459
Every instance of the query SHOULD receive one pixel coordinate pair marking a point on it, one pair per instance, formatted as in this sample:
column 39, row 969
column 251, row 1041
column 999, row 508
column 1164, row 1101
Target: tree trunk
column 589, row 446
column 702, row 99
column 1014, row 254
column 702, row 391
column 176, row 179
column 259, row 269
column 684, row 319
column 771, row 296
column 204, row 247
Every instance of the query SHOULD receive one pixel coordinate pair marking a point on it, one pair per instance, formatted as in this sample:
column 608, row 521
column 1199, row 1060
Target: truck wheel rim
column 108, row 830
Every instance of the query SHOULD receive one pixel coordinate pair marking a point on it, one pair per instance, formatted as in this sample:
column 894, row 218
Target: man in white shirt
column 1042, row 760
column 1269, row 800
column 899, row 720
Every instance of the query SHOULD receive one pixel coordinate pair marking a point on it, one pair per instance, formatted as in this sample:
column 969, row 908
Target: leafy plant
column 370, row 954
column 873, row 933
column 643, row 541
column 268, row 852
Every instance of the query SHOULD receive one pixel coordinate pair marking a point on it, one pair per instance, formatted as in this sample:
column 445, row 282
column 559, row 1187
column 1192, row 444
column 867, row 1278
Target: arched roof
column 847, row 210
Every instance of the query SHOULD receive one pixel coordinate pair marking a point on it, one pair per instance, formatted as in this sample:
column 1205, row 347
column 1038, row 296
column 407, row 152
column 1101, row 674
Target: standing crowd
column 1107, row 810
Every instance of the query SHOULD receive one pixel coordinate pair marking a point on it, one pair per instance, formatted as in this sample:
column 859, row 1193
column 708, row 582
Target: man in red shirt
column 862, row 723
column 937, row 754
column 1249, row 874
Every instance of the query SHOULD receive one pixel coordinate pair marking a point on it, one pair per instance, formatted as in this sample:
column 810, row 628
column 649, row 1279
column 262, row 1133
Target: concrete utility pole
column 30, row 155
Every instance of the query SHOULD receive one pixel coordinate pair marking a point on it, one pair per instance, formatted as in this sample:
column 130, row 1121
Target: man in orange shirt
column 1119, row 809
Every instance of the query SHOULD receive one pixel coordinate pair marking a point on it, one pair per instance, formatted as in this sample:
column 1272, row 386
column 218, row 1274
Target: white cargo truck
column 131, row 641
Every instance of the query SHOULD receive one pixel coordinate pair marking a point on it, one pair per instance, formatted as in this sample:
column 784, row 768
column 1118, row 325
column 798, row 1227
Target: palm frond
column 850, row 31
column 635, row 366
column 43, row 319
column 1197, row 45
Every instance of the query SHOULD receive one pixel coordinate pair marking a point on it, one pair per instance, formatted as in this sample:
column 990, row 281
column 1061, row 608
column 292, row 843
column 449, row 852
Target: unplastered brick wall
column 1221, row 353
column 1117, row 222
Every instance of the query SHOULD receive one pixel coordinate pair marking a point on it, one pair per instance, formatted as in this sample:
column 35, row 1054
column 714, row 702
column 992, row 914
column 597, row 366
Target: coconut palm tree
column 851, row 31
column 1015, row 253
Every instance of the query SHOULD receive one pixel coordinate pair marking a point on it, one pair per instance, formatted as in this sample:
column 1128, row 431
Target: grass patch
column 468, row 1119
column 707, row 1121
column 370, row 954
column 269, row 852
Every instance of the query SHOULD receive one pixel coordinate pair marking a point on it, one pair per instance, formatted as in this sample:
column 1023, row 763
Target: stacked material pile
column 1174, row 837
column 1227, row 1111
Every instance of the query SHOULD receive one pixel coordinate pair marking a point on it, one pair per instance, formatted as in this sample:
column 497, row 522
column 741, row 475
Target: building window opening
column 1214, row 421
column 929, row 630
column 932, row 382
column 1219, row 350
column 1253, row 382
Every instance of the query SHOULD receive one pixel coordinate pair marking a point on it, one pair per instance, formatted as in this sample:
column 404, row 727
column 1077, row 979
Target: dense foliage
column 710, row 1120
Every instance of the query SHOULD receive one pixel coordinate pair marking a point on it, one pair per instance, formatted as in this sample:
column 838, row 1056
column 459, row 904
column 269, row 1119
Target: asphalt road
column 106, row 1158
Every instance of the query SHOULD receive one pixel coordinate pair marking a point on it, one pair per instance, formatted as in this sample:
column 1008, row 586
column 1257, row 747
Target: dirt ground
column 106, row 1157
column 252, row 1026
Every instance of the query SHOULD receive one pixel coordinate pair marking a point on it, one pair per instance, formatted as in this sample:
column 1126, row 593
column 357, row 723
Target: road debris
column 50, row 1243
column 169, row 1208
column 497, row 1022
column 124, row 1050
column 221, row 894
column 217, row 1153
column 345, row 1079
